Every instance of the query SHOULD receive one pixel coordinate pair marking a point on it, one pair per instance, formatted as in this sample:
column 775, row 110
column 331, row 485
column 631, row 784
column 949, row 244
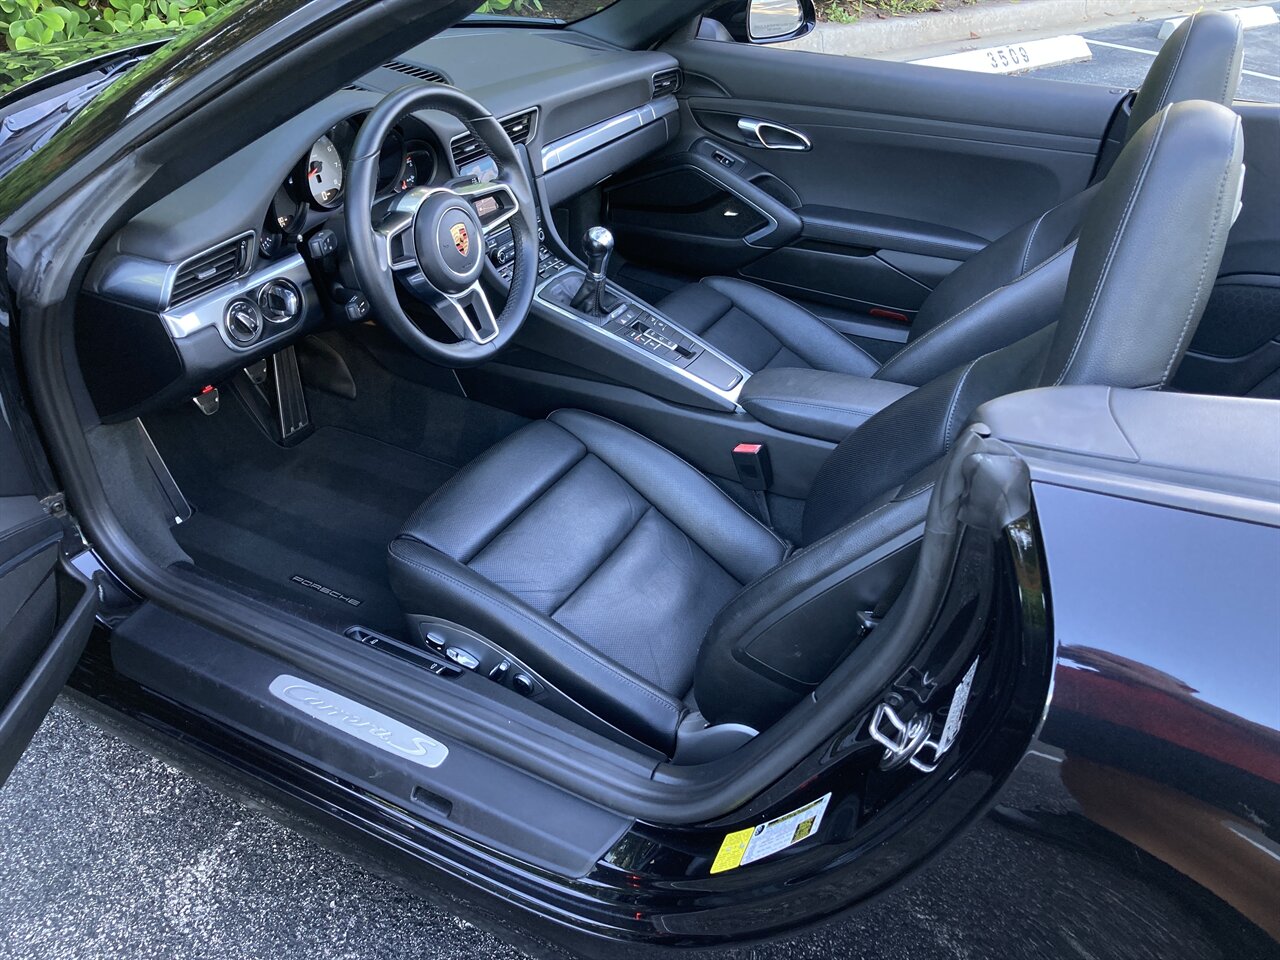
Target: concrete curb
column 871, row 36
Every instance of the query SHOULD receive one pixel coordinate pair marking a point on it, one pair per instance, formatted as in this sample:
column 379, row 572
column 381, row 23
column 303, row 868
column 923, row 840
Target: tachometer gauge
column 324, row 173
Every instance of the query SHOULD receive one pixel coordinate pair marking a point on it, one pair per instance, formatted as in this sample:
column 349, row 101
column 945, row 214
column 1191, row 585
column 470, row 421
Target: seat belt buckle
column 751, row 460
column 752, row 463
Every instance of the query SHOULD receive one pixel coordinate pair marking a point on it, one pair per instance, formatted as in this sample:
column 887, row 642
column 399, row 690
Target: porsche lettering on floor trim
column 360, row 721
column 327, row 591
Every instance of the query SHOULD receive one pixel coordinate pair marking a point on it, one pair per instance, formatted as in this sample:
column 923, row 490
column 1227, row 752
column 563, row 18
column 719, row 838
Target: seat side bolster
column 430, row 583
column 784, row 633
column 1008, row 313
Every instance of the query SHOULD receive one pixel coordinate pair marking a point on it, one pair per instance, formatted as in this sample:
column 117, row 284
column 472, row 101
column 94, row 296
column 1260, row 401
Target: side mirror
column 774, row 21
column 758, row 21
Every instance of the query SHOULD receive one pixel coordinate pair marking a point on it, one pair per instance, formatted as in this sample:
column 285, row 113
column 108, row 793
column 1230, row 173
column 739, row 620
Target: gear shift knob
column 597, row 245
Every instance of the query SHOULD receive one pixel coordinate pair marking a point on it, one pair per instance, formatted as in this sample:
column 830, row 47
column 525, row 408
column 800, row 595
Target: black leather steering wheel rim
column 370, row 251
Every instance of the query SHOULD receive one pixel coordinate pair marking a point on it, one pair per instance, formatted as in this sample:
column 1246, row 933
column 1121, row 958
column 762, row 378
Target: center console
column 587, row 298
column 645, row 329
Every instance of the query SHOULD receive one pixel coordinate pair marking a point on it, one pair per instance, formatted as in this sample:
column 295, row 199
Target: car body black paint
column 653, row 892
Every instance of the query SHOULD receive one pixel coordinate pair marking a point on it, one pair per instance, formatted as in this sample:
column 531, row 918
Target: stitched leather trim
column 604, row 560
column 1224, row 97
column 728, row 499
column 815, row 404
column 1031, row 236
column 1162, row 100
column 1113, row 249
column 522, row 509
column 1208, row 255
column 906, row 351
column 779, row 335
column 951, row 407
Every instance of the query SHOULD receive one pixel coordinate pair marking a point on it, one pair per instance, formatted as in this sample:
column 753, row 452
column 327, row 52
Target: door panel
column 46, row 608
column 895, row 173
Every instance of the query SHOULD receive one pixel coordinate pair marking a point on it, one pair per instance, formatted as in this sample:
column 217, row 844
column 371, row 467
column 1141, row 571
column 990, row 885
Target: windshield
column 565, row 11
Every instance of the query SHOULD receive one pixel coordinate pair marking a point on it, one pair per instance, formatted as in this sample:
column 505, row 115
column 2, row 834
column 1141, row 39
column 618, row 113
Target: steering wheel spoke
column 394, row 231
column 468, row 315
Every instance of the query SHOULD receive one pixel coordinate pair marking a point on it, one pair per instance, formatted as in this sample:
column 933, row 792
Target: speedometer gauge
column 324, row 173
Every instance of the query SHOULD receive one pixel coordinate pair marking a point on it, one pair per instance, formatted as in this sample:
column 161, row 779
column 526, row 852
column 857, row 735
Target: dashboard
column 248, row 256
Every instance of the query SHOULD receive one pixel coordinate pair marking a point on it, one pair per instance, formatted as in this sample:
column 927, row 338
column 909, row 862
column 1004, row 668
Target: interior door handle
column 773, row 136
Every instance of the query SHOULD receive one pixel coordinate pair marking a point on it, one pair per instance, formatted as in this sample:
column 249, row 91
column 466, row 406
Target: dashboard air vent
column 467, row 148
column 417, row 72
column 210, row 269
column 667, row 82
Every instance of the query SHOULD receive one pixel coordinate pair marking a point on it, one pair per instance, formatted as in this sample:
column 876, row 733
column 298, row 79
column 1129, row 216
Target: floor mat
column 310, row 523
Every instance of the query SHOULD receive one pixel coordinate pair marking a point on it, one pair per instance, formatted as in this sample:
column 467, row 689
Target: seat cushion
column 762, row 330
column 591, row 554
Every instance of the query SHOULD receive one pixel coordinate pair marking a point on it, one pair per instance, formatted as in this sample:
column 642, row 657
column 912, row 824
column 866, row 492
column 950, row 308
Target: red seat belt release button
column 752, row 463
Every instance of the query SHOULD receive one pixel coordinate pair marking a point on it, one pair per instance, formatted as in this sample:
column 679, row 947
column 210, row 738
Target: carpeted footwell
column 322, row 512
column 309, row 524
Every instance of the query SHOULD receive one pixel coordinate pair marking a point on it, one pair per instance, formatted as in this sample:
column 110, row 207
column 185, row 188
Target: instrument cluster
column 316, row 185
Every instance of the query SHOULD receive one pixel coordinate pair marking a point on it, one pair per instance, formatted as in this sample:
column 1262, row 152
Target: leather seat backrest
column 1200, row 60
column 1149, row 248
column 1013, row 287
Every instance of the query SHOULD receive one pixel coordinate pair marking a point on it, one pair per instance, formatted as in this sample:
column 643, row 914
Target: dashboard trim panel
column 562, row 151
column 209, row 310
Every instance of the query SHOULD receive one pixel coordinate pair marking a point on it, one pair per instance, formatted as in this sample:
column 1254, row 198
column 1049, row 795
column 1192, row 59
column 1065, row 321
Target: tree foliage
column 35, row 23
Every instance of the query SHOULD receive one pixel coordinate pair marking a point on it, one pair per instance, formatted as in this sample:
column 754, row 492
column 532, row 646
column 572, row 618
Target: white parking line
column 1152, row 53
column 1249, row 17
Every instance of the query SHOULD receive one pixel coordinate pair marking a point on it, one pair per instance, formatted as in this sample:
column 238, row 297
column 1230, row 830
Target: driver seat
column 640, row 594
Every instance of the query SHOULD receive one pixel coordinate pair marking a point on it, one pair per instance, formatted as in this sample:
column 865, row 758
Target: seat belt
column 756, row 474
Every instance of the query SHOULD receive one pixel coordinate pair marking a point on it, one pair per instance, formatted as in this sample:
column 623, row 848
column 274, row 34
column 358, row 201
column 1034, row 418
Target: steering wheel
column 430, row 240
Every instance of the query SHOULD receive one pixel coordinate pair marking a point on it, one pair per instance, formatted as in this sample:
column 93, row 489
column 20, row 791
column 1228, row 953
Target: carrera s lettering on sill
column 327, row 591
column 360, row 721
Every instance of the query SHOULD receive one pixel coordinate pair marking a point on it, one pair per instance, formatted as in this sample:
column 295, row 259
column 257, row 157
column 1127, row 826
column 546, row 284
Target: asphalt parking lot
column 107, row 852
column 1122, row 54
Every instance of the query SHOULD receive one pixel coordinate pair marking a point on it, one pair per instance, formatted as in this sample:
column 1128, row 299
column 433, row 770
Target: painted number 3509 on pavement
column 999, row 57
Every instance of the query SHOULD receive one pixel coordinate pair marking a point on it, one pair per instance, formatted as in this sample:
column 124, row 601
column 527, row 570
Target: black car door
column 847, row 184
column 46, row 607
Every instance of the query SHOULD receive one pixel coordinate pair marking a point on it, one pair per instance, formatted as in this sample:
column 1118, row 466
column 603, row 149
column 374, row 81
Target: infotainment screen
column 484, row 170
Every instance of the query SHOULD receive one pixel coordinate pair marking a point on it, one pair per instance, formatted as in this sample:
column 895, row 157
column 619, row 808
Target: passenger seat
column 1003, row 293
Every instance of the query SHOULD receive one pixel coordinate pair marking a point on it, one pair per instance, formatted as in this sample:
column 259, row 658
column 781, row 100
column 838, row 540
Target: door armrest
column 875, row 231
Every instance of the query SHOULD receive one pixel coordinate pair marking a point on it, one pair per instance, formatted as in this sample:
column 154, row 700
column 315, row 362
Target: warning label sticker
column 756, row 843
column 959, row 700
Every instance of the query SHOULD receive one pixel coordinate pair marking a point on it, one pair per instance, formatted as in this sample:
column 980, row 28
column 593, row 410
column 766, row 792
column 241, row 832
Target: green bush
column 528, row 8
column 34, row 23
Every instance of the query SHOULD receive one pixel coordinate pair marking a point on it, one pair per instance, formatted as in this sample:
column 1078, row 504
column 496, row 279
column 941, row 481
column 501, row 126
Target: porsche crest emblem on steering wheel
column 461, row 238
